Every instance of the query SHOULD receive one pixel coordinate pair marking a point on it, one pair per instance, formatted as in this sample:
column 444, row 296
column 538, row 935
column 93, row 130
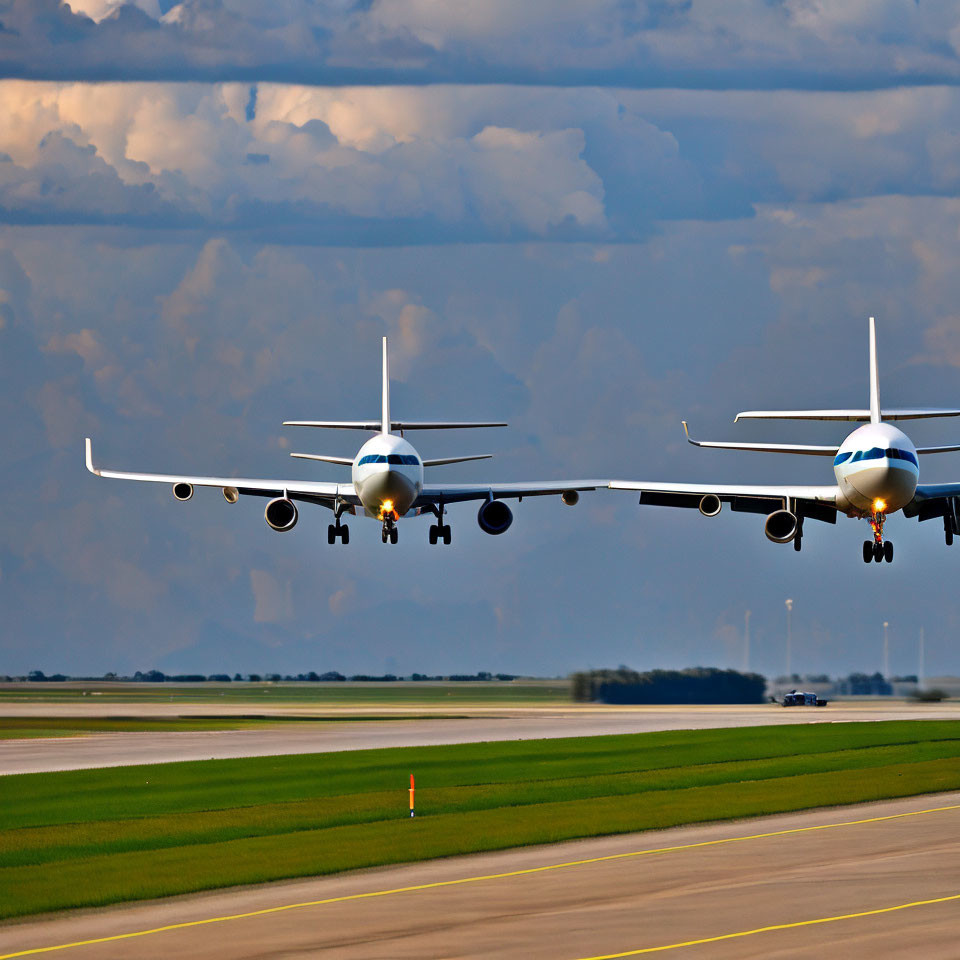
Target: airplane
column 876, row 470
column 387, row 481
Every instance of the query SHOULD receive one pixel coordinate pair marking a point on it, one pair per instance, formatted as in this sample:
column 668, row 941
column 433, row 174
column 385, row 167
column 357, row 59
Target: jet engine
column 781, row 526
column 710, row 505
column 183, row 491
column 494, row 517
column 570, row 497
column 281, row 514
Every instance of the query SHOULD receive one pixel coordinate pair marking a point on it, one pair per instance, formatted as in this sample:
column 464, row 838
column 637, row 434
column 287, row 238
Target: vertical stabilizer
column 874, row 377
column 385, row 417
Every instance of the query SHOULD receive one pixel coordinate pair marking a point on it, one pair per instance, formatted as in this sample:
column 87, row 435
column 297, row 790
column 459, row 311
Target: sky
column 590, row 219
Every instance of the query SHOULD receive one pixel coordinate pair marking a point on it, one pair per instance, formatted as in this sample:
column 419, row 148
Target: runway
column 121, row 749
column 879, row 880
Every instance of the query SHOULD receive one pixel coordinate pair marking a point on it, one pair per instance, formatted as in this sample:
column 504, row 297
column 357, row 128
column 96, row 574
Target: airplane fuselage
column 387, row 476
column 877, row 470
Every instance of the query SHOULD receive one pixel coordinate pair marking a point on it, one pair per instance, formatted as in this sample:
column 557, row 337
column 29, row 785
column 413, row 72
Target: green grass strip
column 142, row 874
column 34, row 845
column 152, row 790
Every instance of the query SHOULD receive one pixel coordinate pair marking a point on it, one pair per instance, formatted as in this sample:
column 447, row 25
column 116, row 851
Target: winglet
column 686, row 431
column 89, row 458
column 874, row 376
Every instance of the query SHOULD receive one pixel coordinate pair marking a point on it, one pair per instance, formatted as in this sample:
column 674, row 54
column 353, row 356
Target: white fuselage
column 876, row 469
column 387, row 476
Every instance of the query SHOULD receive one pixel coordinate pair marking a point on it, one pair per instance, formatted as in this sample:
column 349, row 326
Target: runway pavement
column 120, row 749
column 879, row 881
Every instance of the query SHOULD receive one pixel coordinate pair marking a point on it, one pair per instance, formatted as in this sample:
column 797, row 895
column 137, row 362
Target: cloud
column 639, row 43
column 451, row 164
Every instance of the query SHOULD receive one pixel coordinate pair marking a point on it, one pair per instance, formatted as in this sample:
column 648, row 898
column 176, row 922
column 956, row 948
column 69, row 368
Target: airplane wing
column 816, row 502
column 934, row 500
column 434, row 493
column 310, row 491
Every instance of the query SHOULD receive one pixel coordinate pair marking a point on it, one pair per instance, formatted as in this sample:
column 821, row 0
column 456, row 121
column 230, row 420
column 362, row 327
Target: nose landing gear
column 877, row 549
column 389, row 531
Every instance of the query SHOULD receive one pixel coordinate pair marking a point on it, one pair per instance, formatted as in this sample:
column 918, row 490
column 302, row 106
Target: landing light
column 879, row 506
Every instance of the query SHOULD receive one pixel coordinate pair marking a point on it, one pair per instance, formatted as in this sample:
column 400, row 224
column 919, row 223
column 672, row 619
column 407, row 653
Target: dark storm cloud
column 749, row 44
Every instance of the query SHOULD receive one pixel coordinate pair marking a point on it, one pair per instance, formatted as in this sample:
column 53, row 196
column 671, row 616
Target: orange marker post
column 411, row 796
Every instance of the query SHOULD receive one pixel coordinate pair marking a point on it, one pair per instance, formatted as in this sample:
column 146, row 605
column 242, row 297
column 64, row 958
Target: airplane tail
column 385, row 424
column 872, row 415
column 874, row 376
column 385, row 418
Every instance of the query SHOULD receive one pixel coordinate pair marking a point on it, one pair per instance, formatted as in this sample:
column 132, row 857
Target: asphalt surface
column 724, row 884
column 121, row 749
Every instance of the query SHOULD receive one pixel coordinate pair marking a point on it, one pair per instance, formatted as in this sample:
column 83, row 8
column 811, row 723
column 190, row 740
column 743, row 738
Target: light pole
column 886, row 651
column 921, row 666
column 789, row 638
column 746, row 642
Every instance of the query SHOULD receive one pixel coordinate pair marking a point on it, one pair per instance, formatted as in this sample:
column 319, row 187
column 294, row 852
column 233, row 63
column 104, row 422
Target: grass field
column 537, row 693
column 82, row 838
column 21, row 728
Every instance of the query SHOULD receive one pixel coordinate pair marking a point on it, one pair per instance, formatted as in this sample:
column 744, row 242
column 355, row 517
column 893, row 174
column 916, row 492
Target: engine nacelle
column 494, row 517
column 710, row 505
column 281, row 515
column 231, row 494
column 781, row 526
column 570, row 497
column 183, row 491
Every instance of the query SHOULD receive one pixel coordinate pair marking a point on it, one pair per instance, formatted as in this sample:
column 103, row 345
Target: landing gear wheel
column 867, row 551
column 797, row 543
column 888, row 551
column 948, row 536
column 331, row 534
column 394, row 534
column 878, row 552
column 433, row 533
column 445, row 533
column 344, row 535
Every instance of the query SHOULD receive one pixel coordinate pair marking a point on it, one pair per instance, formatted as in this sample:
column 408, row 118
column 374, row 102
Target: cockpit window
column 396, row 459
column 842, row 458
column 907, row 455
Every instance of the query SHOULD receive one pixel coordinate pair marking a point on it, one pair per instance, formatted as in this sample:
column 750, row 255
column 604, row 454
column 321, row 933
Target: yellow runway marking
column 776, row 926
column 512, row 873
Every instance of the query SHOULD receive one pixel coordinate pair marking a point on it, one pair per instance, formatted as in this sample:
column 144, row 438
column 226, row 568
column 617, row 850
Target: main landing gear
column 948, row 531
column 439, row 530
column 877, row 549
column 337, row 530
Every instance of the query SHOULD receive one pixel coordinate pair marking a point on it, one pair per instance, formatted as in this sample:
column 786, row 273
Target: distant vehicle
column 796, row 698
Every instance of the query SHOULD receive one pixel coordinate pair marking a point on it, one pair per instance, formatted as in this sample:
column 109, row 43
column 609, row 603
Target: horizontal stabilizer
column 443, row 460
column 952, row 448
column 345, row 461
column 394, row 425
column 911, row 413
column 814, row 451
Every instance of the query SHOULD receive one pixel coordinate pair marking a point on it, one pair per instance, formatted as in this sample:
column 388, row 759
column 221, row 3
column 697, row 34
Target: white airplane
column 876, row 470
column 387, row 482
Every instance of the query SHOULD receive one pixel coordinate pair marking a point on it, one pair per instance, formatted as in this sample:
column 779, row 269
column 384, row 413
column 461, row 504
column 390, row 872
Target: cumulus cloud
column 173, row 155
column 402, row 165
column 644, row 43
